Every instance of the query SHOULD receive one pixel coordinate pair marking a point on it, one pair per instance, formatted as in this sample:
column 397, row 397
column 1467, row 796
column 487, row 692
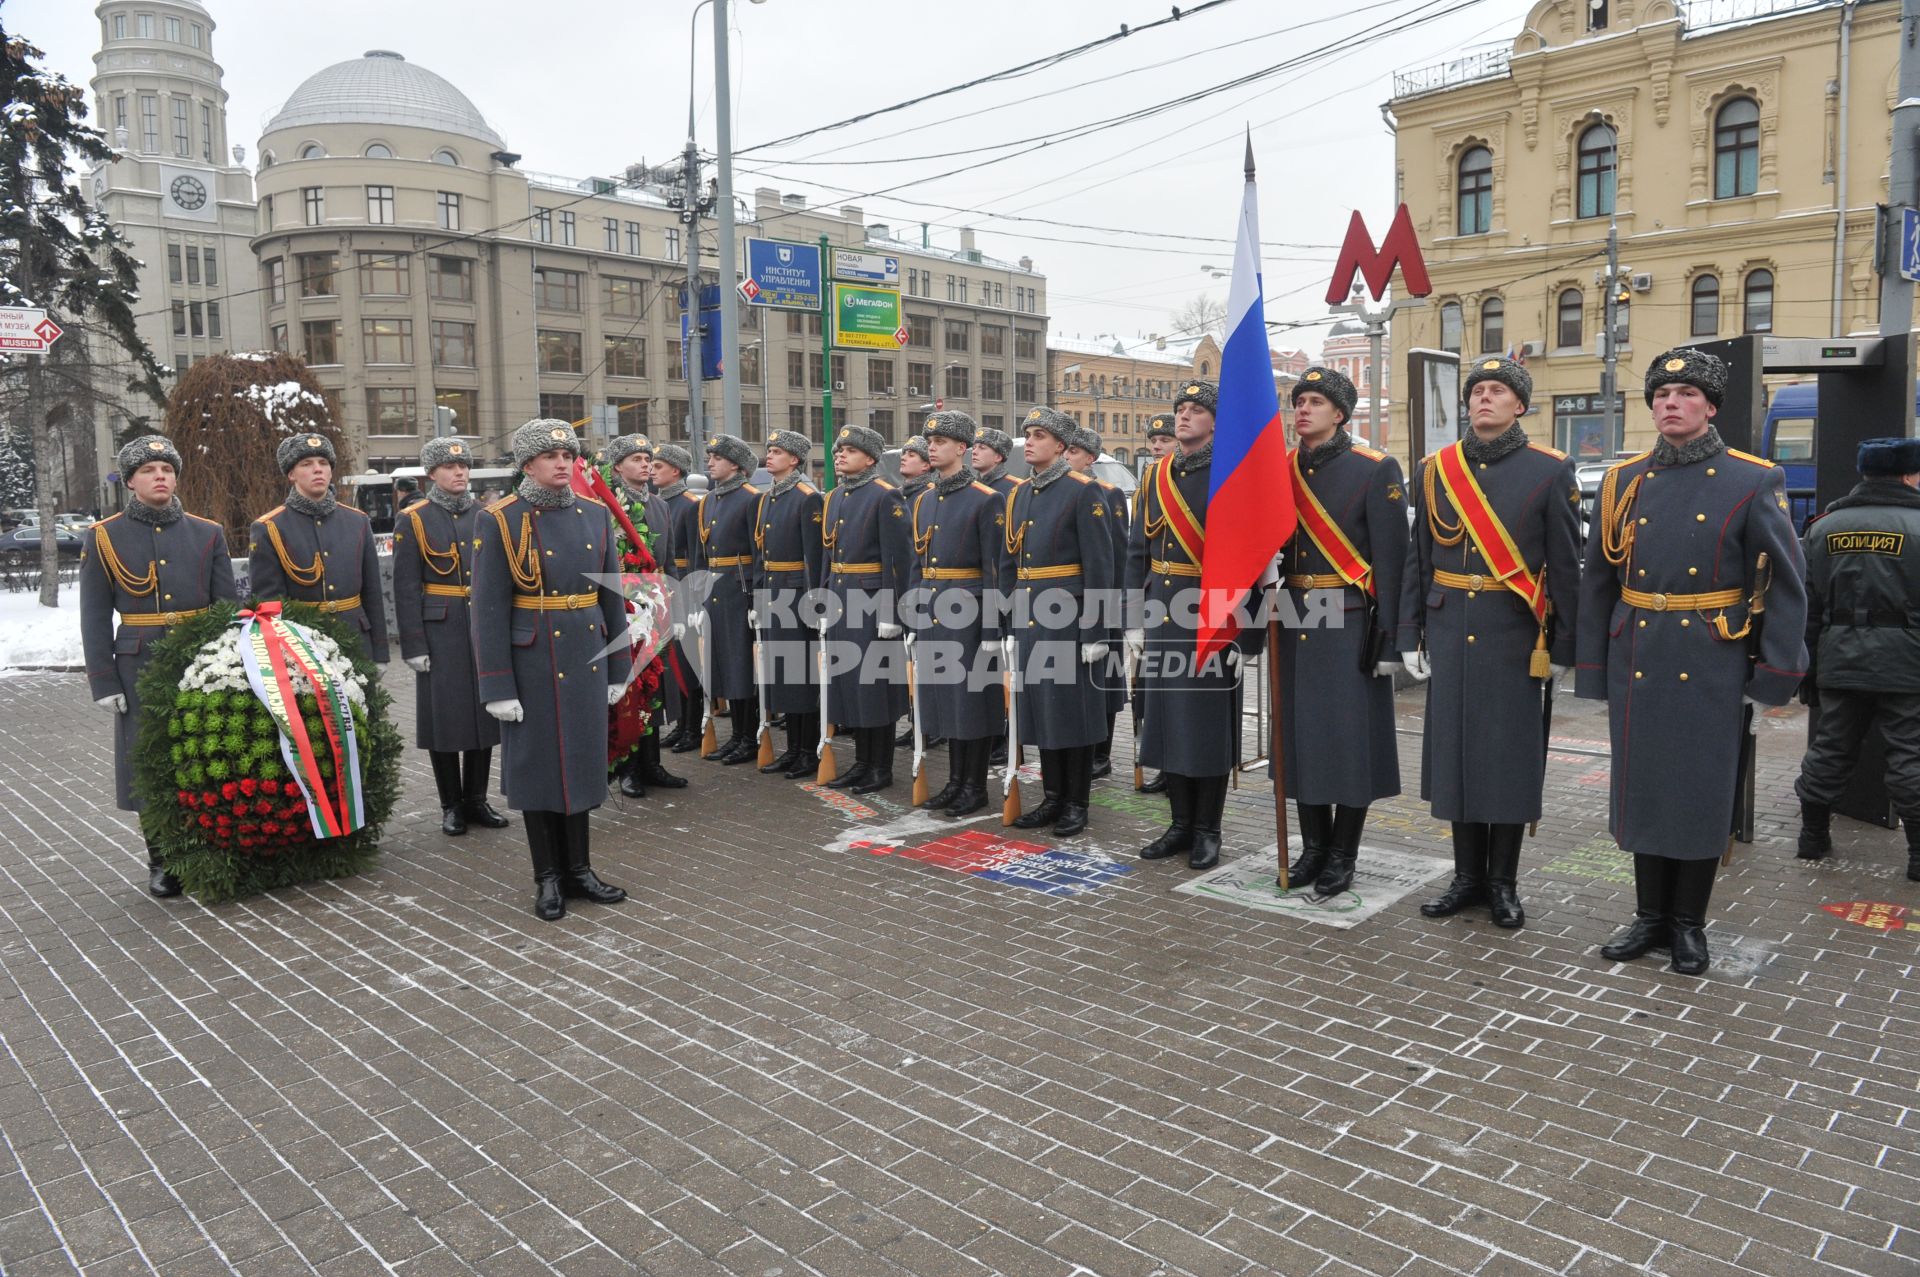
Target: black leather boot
column 1316, row 842
column 1343, row 854
column 1050, row 781
column 477, row 775
column 956, row 778
column 446, row 779
column 1687, row 912
column 998, row 755
column 1816, row 831
column 1178, row 837
column 1076, row 784
column 880, row 761
column 1209, row 806
column 578, row 879
column 1102, row 765
column 631, row 786
column 745, row 745
column 686, row 738
column 1649, row 928
column 1469, row 885
column 159, row 881
column 972, row 796
column 1503, row 874
column 805, row 732
column 784, row 761
column 1158, row 785
column 905, row 739
column 649, row 768
column 862, row 769
column 544, row 836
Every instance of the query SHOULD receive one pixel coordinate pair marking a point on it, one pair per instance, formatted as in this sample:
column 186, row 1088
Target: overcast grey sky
column 583, row 87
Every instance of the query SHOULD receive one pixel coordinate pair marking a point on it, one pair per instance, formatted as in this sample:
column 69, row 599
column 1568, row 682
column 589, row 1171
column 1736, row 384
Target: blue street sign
column 782, row 275
column 1910, row 244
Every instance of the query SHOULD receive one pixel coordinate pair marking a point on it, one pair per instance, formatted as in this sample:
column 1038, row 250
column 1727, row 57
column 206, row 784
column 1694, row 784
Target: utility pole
column 1376, row 322
column 729, row 334
column 1903, row 177
column 1609, row 334
column 691, row 207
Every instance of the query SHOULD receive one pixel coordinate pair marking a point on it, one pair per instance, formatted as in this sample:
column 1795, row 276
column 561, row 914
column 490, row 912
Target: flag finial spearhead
column 1249, row 153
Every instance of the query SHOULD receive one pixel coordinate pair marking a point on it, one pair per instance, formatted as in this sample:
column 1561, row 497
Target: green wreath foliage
column 207, row 766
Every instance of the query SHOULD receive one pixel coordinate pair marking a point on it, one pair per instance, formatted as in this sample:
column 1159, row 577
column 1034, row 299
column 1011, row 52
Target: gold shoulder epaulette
column 884, row 486
column 110, row 518
column 748, row 487
column 806, row 488
column 981, row 487
column 1555, row 453
column 413, row 505
column 591, row 499
column 1369, row 453
column 195, row 517
column 274, row 513
column 503, row 502
column 1748, row 456
column 1082, row 478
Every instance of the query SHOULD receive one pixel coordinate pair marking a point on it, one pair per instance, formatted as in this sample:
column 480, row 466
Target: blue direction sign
column 782, row 275
column 1910, row 244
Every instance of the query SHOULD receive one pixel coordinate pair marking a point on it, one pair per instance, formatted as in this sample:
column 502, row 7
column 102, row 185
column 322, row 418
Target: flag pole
column 1276, row 748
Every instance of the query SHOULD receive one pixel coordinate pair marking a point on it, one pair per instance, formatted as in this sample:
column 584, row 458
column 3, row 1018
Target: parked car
column 21, row 547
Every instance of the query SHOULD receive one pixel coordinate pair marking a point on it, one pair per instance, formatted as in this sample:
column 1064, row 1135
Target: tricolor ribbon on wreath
column 274, row 651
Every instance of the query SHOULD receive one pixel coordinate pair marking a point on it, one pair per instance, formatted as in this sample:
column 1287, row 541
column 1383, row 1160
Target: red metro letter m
column 1357, row 255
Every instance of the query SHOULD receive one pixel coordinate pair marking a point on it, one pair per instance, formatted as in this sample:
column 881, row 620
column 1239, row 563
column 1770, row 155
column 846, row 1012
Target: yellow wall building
column 1725, row 130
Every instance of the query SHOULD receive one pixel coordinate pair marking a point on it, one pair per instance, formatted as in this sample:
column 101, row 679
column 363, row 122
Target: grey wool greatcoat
column 680, row 530
column 329, row 561
column 722, row 549
column 786, row 562
column 190, row 571
column 1111, row 673
column 1483, row 758
column 547, row 634
column 867, row 552
column 1673, row 682
column 1336, row 717
column 1189, row 715
column 1058, row 551
column 957, row 538
column 433, row 607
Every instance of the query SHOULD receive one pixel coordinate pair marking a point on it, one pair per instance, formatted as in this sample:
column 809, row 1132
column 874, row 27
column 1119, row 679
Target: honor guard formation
column 602, row 615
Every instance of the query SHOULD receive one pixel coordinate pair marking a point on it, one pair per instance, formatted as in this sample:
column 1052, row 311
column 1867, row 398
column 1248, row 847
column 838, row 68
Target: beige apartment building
column 1741, row 144
column 1113, row 387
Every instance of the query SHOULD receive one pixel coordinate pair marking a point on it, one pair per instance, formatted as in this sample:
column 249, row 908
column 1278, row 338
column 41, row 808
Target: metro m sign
column 1357, row 255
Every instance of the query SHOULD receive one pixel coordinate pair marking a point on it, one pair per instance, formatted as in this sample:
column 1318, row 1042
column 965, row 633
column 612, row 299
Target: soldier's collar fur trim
column 672, row 490
column 452, row 503
column 542, row 497
column 140, row 512
column 1340, row 442
column 853, row 482
column 783, row 486
column 320, row 509
column 1045, row 478
column 993, row 476
column 1511, row 440
column 1699, row 448
column 1188, row 462
column 945, row 485
column 725, row 486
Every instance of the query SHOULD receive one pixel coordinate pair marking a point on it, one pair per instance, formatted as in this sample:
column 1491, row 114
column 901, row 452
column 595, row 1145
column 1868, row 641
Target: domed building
column 1346, row 350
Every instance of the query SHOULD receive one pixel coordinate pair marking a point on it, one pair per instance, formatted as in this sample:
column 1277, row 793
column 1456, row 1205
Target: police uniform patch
column 1674, row 365
column 1887, row 543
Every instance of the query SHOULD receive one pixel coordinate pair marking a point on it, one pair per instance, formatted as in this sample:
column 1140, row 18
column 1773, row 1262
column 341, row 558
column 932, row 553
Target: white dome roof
column 382, row 88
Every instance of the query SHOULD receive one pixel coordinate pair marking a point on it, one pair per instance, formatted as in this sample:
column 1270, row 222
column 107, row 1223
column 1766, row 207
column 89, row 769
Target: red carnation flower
column 270, row 786
column 262, row 807
column 206, row 821
column 249, row 786
column 229, row 790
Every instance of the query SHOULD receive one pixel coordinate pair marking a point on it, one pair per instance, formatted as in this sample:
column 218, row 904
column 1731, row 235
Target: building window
column 446, row 157
column 796, row 370
column 173, row 263
column 993, row 384
column 276, row 272
column 919, row 379
column 387, row 341
column 266, row 213
column 959, row 336
column 1736, row 149
column 633, row 239
column 379, row 151
column 993, row 339
column 278, row 336
column 672, row 238
column 206, row 132
column 179, row 319
column 380, row 205
column 626, row 356
column 450, row 279
column 560, row 351
column 1476, row 191
column 182, row 137
column 195, row 34
column 313, row 151
column 920, row 331
column 1452, row 325
column 1493, row 326
column 957, row 383
column 1572, row 311
column 1705, row 299
column 149, row 123
column 390, row 410
column 465, row 405
column 213, row 267
column 556, row 289
column 543, row 225
column 563, row 407
column 881, row 420
column 213, row 319
column 621, row 297
column 385, row 275
column 1759, row 302
column 193, row 265
column 1026, row 387
column 449, row 205
column 316, row 273
column 119, row 26
column 315, row 198
column 750, row 365
column 953, row 288
column 143, row 25
column 839, row 372
column 880, row 376
column 1026, row 343
column 611, row 227
column 566, row 228
column 172, row 29
column 322, row 340
column 1596, row 172
column 452, row 344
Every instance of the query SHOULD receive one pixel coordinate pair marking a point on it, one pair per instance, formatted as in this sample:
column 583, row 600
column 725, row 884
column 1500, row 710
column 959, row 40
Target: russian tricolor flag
column 1250, row 502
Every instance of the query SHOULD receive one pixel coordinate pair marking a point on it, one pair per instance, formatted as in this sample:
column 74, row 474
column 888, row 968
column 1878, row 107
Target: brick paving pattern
column 810, row 1045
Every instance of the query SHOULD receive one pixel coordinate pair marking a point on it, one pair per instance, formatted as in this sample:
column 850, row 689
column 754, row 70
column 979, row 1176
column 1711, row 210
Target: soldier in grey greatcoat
column 1682, row 628
column 722, row 562
column 1082, row 453
column 550, row 641
column 155, row 565
column 991, row 448
column 867, row 550
column 959, row 528
column 1161, row 441
column 787, row 551
column 1162, row 438
column 1493, row 654
column 432, row 604
column 916, row 476
column 315, row 550
column 1190, row 711
column 1057, row 570
column 1336, row 670
column 681, row 531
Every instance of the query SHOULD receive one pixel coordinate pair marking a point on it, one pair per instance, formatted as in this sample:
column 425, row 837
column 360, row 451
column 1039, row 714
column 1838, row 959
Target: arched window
column 1476, row 191
column 1493, row 326
column 313, row 151
column 1451, row 327
column 1572, row 313
column 379, row 151
column 1705, row 298
column 444, row 156
column 1596, row 156
column 1736, row 149
column 1759, row 302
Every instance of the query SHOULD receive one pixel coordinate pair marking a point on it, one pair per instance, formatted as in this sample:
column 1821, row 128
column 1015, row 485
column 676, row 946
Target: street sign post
column 867, row 318
column 866, row 268
column 782, row 275
column 27, row 329
column 1910, row 244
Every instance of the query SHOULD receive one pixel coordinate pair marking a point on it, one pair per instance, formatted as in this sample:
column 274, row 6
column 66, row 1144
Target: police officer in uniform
column 1863, row 624
column 1489, row 598
column 671, row 466
column 156, row 566
column 959, row 526
column 1190, row 711
column 991, row 448
column 1082, row 453
column 432, row 604
column 550, row 641
column 1693, row 600
column 1058, row 549
column 787, row 551
column 1162, row 439
column 723, row 548
column 315, row 550
column 1343, row 570
column 867, row 554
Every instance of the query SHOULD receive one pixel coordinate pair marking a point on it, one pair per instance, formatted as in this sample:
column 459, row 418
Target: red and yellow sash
column 1175, row 515
column 1496, row 544
column 1326, row 534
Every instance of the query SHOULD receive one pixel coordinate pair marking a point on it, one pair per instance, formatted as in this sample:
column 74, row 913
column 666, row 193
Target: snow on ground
column 35, row 636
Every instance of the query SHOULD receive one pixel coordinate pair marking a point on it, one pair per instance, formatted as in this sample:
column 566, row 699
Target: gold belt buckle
column 172, row 618
column 1476, row 582
column 1659, row 602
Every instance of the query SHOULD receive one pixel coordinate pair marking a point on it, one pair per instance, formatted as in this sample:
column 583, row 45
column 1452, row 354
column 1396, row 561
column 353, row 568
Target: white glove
column 1007, row 649
column 911, row 639
column 1387, row 669
column 614, row 692
column 419, row 664
column 697, row 621
column 506, row 711
column 1416, row 663
column 888, row 630
column 1136, row 643
column 116, row 703
column 679, row 630
column 753, row 619
column 1092, row 653
column 1558, row 671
